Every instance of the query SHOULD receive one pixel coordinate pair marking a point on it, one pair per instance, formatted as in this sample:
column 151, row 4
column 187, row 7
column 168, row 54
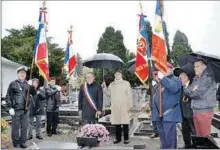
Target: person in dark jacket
column 52, row 106
column 218, row 97
column 186, row 74
column 16, row 99
column 36, row 109
column 90, row 100
column 202, row 91
column 169, row 90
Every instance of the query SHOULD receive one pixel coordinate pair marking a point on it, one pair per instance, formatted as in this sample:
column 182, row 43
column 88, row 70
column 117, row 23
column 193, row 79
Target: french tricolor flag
column 70, row 57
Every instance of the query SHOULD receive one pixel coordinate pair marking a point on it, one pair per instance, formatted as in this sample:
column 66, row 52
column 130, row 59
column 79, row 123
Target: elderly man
column 186, row 74
column 168, row 91
column 121, row 103
column 52, row 106
column 202, row 91
column 90, row 100
column 16, row 100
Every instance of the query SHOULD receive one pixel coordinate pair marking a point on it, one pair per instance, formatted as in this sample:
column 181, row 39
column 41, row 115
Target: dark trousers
column 118, row 131
column 38, row 125
column 168, row 134
column 52, row 121
column 154, row 125
column 188, row 129
column 19, row 124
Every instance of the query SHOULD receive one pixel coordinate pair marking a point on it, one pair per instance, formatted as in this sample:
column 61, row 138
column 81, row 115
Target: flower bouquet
column 4, row 134
column 91, row 131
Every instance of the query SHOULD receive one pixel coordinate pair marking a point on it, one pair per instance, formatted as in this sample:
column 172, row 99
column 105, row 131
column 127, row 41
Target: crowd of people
column 184, row 95
column 188, row 96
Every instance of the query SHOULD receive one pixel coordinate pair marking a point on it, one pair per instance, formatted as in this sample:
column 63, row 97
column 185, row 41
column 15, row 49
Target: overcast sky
column 199, row 20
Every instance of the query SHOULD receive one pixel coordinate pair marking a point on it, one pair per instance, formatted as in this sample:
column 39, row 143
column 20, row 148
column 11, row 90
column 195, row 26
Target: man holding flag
column 166, row 108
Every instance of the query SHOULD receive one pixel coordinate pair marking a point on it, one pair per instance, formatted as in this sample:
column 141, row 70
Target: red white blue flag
column 40, row 50
column 143, row 50
column 70, row 57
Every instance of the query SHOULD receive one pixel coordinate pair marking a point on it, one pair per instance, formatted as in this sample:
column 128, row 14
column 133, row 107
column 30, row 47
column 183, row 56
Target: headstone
column 54, row 145
column 205, row 142
column 144, row 129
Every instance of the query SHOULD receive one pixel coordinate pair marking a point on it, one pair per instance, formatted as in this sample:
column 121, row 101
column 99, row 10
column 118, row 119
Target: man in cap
column 168, row 91
column 186, row 74
column 90, row 100
column 120, row 94
column 16, row 99
column 52, row 106
column 202, row 91
column 36, row 108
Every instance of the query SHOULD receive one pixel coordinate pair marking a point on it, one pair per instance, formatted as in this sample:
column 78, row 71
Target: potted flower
column 92, row 135
column 4, row 135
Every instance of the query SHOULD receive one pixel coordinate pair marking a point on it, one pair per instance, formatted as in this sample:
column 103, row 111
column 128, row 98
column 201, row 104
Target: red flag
column 158, row 40
column 143, row 51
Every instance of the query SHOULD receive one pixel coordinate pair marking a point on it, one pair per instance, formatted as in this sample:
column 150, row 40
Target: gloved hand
column 11, row 112
column 58, row 87
column 29, row 82
column 160, row 75
column 38, row 92
column 3, row 102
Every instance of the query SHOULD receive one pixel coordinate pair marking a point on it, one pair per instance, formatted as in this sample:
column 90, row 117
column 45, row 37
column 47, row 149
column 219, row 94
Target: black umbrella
column 212, row 61
column 187, row 68
column 103, row 60
column 131, row 65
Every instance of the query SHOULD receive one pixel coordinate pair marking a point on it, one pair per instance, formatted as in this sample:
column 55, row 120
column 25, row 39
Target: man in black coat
column 52, row 106
column 16, row 99
column 186, row 74
column 36, row 109
column 90, row 107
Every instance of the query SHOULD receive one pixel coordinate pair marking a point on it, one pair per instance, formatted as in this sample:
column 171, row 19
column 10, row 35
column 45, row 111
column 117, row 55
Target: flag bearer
column 167, row 94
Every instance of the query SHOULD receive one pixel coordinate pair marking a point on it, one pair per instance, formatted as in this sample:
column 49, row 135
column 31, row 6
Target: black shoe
column 49, row 134
column 126, row 142
column 117, row 141
column 54, row 132
column 29, row 138
column 39, row 137
column 23, row 146
column 186, row 147
column 16, row 145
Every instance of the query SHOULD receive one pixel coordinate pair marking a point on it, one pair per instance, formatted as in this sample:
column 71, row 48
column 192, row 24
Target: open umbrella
column 103, row 60
column 213, row 62
column 131, row 65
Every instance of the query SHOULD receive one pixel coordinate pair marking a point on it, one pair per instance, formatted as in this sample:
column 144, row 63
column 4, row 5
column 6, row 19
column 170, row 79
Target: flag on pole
column 40, row 50
column 143, row 50
column 70, row 57
column 158, row 39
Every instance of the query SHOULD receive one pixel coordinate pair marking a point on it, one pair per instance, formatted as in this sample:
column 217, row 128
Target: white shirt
column 187, row 84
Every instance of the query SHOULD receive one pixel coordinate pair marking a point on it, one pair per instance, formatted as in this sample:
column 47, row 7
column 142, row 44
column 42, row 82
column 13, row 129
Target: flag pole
column 150, row 66
column 31, row 73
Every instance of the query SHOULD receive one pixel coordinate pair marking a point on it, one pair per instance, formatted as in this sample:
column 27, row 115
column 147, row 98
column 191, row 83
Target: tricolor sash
column 89, row 97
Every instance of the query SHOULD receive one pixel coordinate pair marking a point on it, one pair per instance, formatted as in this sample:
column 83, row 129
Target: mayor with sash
column 90, row 100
